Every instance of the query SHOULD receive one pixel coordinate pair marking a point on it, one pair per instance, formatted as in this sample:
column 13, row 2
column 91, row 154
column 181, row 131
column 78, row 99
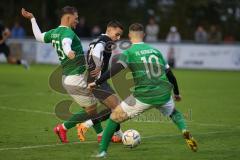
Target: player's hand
column 71, row 55
column 96, row 72
column 27, row 14
column 91, row 86
column 177, row 98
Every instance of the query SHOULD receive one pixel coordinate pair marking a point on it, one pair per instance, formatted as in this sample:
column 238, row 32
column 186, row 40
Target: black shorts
column 5, row 50
column 103, row 91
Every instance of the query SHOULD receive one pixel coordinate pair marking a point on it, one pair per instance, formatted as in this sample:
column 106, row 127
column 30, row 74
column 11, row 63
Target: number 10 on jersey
column 149, row 63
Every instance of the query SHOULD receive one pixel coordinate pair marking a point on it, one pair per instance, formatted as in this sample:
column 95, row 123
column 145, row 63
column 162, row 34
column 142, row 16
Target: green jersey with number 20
column 148, row 70
column 55, row 36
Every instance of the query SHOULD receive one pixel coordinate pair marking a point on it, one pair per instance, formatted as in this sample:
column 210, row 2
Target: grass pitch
column 210, row 104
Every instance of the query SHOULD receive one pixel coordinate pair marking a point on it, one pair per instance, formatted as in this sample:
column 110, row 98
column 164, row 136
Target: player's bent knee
column 111, row 102
column 91, row 109
column 118, row 115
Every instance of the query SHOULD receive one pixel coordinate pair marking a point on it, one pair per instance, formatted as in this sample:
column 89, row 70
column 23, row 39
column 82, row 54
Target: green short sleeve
column 47, row 36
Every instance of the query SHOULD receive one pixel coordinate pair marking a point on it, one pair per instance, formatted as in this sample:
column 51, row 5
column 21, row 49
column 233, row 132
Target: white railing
column 187, row 55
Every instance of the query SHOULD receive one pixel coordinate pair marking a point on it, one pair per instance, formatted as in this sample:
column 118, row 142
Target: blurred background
column 186, row 15
column 170, row 25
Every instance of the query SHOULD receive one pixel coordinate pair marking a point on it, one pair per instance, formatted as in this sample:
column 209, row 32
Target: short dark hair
column 115, row 24
column 136, row 27
column 68, row 10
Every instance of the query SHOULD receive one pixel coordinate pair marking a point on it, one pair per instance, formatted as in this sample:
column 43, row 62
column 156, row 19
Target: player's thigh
column 103, row 91
column 85, row 101
column 76, row 86
column 105, row 94
column 133, row 107
column 167, row 108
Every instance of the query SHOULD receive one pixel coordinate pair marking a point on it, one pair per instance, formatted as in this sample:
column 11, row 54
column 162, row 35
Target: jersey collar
column 106, row 36
column 64, row 26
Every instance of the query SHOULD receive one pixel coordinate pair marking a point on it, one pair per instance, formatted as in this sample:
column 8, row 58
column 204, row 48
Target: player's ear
column 110, row 29
column 68, row 18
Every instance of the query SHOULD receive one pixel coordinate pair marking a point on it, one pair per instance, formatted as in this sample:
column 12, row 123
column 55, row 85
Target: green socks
column 107, row 134
column 78, row 118
column 178, row 119
column 75, row 119
column 98, row 127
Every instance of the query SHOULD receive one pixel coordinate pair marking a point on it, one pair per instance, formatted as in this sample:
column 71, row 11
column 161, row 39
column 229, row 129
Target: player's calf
column 111, row 102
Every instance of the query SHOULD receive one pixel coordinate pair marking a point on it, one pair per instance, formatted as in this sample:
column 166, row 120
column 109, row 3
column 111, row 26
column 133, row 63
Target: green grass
column 210, row 102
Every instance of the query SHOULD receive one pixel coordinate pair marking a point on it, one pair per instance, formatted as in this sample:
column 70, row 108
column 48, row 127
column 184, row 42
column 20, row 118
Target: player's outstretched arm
column 116, row 68
column 105, row 76
column 36, row 31
column 172, row 79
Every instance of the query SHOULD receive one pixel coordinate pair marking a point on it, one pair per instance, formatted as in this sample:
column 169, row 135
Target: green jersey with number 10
column 148, row 69
column 55, row 36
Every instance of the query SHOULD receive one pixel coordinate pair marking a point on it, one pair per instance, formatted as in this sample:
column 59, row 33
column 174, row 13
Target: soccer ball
column 131, row 138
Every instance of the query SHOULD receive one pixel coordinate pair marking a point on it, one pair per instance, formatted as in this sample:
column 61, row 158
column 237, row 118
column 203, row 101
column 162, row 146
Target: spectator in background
column 200, row 35
column 82, row 29
column 173, row 35
column 18, row 31
column 96, row 31
column 4, row 48
column 214, row 35
column 152, row 30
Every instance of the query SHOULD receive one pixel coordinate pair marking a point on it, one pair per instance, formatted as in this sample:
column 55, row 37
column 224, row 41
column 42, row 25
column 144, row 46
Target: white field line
column 25, row 110
column 91, row 142
column 24, row 94
column 52, row 113
column 45, row 146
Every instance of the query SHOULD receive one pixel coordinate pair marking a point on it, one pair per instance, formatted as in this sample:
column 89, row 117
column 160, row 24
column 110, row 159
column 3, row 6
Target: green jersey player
column 70, row 53
column 153, row 81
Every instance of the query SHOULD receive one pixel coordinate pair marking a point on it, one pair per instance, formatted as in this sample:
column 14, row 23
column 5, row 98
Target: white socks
column 64, row 127
column 88, row 123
